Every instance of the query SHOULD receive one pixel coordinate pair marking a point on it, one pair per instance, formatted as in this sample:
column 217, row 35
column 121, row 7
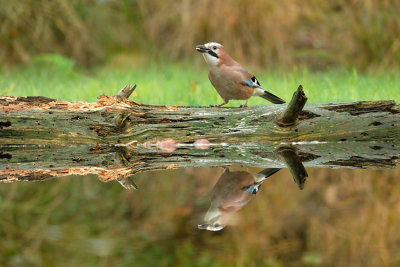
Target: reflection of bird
column 232, row 191
column 231, row 80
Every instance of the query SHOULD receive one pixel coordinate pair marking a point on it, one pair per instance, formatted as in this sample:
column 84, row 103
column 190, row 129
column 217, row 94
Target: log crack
column 364, row 107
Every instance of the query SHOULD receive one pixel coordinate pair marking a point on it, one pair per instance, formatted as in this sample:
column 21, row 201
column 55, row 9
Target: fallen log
column 115, row 138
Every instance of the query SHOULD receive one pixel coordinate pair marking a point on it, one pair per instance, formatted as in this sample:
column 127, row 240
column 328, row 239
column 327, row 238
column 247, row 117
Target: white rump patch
column 258, row 91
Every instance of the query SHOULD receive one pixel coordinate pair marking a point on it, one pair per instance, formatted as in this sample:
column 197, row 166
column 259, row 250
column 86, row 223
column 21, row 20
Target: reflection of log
column 38, row 163
column 114, row 137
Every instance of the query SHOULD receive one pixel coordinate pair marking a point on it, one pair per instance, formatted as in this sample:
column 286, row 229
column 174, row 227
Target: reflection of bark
column 38, row 163
column 42, row 138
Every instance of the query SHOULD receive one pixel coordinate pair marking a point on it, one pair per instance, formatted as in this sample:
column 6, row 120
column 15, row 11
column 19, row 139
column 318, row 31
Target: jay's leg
column 223, row 103
column 245, row 104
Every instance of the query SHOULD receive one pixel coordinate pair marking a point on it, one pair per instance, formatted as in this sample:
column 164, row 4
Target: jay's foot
column 245, row 104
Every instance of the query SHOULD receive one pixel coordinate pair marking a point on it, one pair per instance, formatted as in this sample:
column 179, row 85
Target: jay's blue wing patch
column 253, row 188
column 249, row 83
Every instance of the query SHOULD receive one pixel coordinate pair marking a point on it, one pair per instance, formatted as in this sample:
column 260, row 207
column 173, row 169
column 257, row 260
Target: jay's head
column 212, row 221
column 217, row 218
column 212, row 52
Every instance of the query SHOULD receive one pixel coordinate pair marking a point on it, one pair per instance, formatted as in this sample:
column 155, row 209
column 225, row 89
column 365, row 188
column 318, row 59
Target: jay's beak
column 202, row 49
column 202, row 226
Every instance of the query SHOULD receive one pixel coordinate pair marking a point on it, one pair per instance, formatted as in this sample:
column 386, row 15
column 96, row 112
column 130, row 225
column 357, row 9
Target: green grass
column 186, row 84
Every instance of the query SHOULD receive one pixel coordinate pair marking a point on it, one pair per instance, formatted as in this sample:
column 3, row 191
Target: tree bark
column 115, row 138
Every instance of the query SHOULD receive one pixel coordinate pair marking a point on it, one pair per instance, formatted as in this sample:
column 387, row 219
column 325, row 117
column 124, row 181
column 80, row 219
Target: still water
column 256, row 216
column 291, row 213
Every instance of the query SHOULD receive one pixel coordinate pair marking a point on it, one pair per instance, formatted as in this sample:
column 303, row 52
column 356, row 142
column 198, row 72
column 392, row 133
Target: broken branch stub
column 294, row 108
column 126, row 91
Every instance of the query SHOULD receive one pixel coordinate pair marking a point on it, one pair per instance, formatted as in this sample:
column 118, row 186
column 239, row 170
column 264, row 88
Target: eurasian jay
column 230, row 79
column 232, row 191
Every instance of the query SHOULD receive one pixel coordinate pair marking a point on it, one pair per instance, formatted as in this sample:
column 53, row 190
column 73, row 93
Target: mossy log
column 114, row 137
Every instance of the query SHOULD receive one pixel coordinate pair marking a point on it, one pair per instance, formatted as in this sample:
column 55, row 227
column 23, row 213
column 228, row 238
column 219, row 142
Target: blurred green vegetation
column 55, row 76
column 317, row 34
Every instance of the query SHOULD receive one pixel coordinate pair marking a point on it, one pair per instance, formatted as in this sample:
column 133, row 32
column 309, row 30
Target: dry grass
column 79, row 29
column 269, row 33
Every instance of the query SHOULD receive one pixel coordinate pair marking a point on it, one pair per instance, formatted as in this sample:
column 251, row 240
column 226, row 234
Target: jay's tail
column 263, row 175
column 268, row 172
column 260, row 178
column 272, row 98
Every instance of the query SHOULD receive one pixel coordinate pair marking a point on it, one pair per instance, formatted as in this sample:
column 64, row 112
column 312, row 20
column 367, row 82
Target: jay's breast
column 229, row 89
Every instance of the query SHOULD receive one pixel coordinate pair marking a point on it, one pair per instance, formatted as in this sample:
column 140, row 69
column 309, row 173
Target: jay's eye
column 214, row 47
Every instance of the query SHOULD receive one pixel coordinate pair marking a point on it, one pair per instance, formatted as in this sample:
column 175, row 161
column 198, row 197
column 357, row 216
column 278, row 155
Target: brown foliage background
column 318, row 34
